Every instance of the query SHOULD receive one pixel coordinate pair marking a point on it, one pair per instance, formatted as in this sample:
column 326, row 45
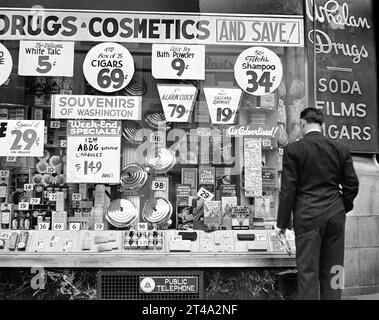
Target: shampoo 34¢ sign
column 22, row 138
column 108, row 67
column 258, row 71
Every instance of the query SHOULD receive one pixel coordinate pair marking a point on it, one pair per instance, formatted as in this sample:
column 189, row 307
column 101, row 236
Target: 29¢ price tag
column 28, row 187
column 205, row 194
column 35, row 201
column 74, row 226
column 98, row 226
column 108, row 67
column 159, row 185
column 58, row 226
column 23, row 206
column 43, row 226
column 4, row 173
column 76, row 197
column 258, row 71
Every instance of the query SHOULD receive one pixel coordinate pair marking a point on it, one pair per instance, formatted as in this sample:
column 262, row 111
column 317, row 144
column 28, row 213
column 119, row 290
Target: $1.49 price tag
column 108, row 67
column 205, row 194
column 258, row 71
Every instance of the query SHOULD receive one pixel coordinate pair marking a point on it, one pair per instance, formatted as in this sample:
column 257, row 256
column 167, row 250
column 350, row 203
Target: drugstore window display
column 162, row 172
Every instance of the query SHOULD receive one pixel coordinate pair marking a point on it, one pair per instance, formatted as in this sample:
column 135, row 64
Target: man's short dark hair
column 312, row 115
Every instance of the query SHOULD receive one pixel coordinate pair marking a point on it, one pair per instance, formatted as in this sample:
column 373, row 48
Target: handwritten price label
column 55, row 124
column 143, row 242
column 4, row 173
column 74, row 226
column 63, row 143
column 23, row 206
column 11, row 159
column 142, row 226
column 43, row 226
column 58, row 226
column 76, row 197
column 159, row 185
column 98, row 227
column 28, row 187
column 5, row 235
column 35, row 201
column 205, row 194
column 53, row 197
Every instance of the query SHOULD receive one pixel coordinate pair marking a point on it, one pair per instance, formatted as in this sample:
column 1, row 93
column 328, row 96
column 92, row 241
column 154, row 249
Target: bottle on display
column 14, row 224
column 27, row 222
column 21, row 222
column 3, row 190
column 5, row 217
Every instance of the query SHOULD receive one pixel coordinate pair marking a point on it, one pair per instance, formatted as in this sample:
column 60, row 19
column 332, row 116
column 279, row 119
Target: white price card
column 5, row 235
column 142, row 226
column 143, row 242
column 261, row 237
column 5, row 64
column 23, row 206
column 205, row 194
column 74, row 226
column 63, row 143
column 28, row 187
column 223, row 104
column 58, row 226
column 158, row 137
column 158, row 185
column 76, row 197
column 51, row 169
column 55, row 124
column 174, row 61
column 53, row 197
column 35, row 201
column 22, row 138
column 43, row 226
column 177, row 101
column 11, row 159
column 108, row 67
column 98, row 226
column 46, row 58
column 258, row 71
column 4, row 173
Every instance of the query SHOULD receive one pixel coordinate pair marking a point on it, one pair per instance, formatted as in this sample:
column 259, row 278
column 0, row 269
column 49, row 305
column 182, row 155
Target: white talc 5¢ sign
column 258, row 71
column 22, row 138
column 5, row 64
column 170, row 61
column 46, row 58
column 108, row 67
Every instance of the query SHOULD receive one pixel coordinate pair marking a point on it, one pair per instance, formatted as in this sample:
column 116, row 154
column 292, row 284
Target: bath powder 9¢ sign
column 258, row 71
column 108, row 67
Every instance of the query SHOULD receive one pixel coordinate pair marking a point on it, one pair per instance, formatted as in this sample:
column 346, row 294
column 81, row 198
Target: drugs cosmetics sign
column 22, row 138
column 93, row 151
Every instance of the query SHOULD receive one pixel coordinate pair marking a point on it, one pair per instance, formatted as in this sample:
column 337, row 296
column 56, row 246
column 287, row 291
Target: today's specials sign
column 93, row 151
column 342, row 34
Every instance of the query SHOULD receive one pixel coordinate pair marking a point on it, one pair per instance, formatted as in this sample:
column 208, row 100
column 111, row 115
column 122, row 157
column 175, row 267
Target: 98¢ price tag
column 159, row 185
column 142, row 226
column 205, row 194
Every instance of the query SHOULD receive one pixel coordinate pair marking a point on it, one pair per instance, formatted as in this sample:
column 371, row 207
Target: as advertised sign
column 5, row 64
column 153, row 27
column 170, row 61
column 258, row 71
column 222, row 104
column 169, row 284
column 96, row 107
column 46, row 58
column 108, row 67
column 93, row 151
column 22, row 138
column 252, row 131
column 177, row 101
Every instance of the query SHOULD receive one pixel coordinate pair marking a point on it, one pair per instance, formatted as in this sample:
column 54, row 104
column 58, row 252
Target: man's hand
column 283, row 240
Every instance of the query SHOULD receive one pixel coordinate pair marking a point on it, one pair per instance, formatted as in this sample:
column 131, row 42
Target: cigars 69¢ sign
column 5, row 64
column 258, row 71
column 108, row 67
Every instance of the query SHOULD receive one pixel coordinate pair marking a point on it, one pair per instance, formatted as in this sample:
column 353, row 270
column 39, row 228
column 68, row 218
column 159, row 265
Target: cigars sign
column 342, row 35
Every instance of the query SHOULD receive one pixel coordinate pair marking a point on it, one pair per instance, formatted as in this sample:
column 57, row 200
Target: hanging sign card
column 5, row 64
column 177, row 101
column 93, row 151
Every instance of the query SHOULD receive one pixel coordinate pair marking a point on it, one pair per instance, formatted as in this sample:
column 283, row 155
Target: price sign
column 158, row 185
column 76, row 197
column 28, row 187
column 258, row 71
column 74, row 226
column 5, row 235
column 21, row 138
column 43, row 226
column 143, row 242
column 23, row 206
column 98, row 227
column 261, row 237
column 205, row 194
column 142, row 226
column 51, row 169
column 222, row 104
column 53, row 197
column 63, row 143
column 172, row 61
column 35, row 201
column 55, row 124
column 46, row 58
column 157, row 137
column 108, row 67
column 58, row 226
column 6, row 64
column 177, row 101
column 4, row 173
column 11, row 159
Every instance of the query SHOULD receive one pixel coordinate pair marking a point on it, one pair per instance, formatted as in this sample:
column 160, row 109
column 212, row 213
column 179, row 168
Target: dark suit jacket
column 318, row 181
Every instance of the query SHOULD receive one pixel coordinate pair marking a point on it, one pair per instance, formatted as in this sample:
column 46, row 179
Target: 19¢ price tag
column 98, row 226
column 58, row 226
column 4, row 173
column 159, row 185
column 108, row 67
column 28, row 187
column 74, row 226
column 76, row 197
column 43, row 226
column 205, row 194
column 258, row 71
column 23, row 206
column 35, row 201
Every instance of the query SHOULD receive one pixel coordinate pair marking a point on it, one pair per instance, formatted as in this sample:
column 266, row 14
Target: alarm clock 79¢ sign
column 108, row 67
column 258, row 71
